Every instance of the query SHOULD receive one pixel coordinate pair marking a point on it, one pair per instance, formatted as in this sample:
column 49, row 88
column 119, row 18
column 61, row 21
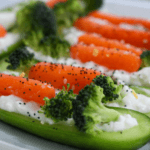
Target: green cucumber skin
column 130, row 139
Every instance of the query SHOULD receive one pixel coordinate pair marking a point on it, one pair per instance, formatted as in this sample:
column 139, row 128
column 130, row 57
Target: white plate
column 12, row 138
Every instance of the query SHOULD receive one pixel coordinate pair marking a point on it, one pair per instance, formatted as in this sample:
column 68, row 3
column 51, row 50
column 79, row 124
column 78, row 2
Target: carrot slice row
column 52, row 3
column 27, row 89
column 110, row 58
column 134, row 37
column 2, row 31
column 59, row 75
column 98, row 40
column 117, row 19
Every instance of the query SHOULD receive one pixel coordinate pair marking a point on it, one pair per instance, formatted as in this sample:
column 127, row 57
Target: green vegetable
column 20, row 56
column 11, row 48
column 111, row 90
column 37, row 24
column 145, row 56
column 60, row 107
column 20, row 60
column 92, row 5
column 67, row 12
column 130, row 139
column 88, row 110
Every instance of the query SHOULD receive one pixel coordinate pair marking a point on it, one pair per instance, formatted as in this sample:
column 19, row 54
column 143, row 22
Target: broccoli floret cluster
column 111, row 90
column 88, row 110
column 60, row 107
column 37, row 24
column 35, row 17
column 20, row 56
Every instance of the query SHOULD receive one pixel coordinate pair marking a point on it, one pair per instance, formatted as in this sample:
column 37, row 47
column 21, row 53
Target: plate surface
column 12, row 138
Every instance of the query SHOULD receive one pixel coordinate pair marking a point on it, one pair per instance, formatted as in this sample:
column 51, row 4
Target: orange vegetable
column 109, row 43
column 110, row 58
column 52, row 3
column 27, row 89
column 117, row 19
column 134, row 37
column 2, row 31
column 59, row 75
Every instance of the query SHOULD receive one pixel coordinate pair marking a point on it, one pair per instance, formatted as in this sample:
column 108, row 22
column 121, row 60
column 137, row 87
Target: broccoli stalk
column 36, row 22
column 21, row 58
column 111, row 90
column 145, row 56
column 88, row 110
column 59, row 108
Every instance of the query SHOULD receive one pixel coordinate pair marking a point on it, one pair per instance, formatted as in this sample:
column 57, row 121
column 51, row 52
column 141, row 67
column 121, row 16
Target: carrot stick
column 2, row 31
column 98, row 40
column 110, row 58
column 134, row 37
column 117, row 19
column 27, row 89
column 52, row 3
column 59, row 75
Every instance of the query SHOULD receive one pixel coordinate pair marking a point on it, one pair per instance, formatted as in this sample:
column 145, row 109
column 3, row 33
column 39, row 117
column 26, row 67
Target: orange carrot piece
column 134, row 37
column 98, row 40
column 27, row 89
column 117, row 19
column 2, row 31
column 59, row 75
column 110, row 58
column 52, row 3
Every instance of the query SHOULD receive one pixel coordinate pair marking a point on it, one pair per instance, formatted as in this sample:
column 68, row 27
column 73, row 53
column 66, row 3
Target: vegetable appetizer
column 75, row 75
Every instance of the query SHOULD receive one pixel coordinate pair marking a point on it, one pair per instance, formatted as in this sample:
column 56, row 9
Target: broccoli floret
column 36, row 23
column 88, row 110
column 92, row 5
column 20, row 57
column 55, row 46
column 67, row 12
column 59, row 108
column 145, row 56
column 36, row 17
column 111, row 90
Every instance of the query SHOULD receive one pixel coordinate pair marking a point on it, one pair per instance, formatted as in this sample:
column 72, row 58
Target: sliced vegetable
column 108, row 30
column 59, row 75
column 110, row 58
column 28, row 89
column 118, row 19
column 98, row 40
column 130, row 139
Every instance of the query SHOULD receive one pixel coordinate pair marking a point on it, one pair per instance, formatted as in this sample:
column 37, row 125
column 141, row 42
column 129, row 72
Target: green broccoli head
column 20, row 57
column 145, row 56
column 54, row 46
column 35, row 17
column 111, row 90
column 91, row 5
column 88, row 110
column 60, row 107
column 67, row 12
column 37, row 24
